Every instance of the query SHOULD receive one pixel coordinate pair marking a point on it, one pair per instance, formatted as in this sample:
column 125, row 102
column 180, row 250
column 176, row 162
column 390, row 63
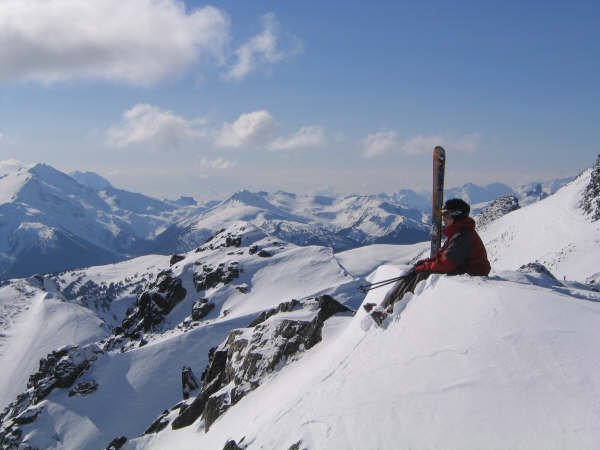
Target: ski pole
column 367, row 287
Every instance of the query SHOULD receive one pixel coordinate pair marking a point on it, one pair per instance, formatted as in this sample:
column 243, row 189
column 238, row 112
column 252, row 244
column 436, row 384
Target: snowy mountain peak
column 248, row 198
column 12, row 165
column 91, row 179
column 591, row 196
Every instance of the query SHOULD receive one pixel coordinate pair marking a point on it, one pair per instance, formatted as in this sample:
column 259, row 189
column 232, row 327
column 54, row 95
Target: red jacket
column 463, row 252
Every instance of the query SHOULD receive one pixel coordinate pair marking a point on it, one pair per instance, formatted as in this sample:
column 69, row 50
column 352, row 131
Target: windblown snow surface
column 495, row 363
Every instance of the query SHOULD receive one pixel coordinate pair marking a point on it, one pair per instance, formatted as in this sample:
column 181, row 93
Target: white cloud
column 147, row 124
column 421, row 144
column 306, row 137
column 379, row 143
column 383, row 142
column 424, row 144
column 255, row 128
column 135, row 41
column 216, row 164
column 469, row 143
column 262, row 49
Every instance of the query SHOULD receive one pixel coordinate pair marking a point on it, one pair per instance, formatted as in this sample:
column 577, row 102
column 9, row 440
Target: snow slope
column 553, row 231
column 137, row 381
column 465, row 363
column 35, row 322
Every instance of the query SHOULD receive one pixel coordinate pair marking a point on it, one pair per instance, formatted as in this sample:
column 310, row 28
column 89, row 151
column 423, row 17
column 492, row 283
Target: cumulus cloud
column 379, row 143
column 263, row 49
column 255, row 128
column 216, row 164
column 147, row 124
column 309, row 136
column 135, row 41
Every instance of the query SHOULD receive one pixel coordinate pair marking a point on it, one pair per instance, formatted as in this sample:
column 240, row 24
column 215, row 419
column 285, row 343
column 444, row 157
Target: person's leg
column 398, row 291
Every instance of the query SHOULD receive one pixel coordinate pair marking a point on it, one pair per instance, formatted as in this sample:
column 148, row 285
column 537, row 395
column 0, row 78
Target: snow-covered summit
column 51, row 222
column 91, row 179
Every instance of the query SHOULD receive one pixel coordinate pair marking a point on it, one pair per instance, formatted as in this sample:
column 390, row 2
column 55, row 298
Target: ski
column 439, row 164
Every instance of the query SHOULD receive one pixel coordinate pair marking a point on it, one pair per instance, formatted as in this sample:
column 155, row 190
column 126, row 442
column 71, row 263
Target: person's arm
column 449, row 260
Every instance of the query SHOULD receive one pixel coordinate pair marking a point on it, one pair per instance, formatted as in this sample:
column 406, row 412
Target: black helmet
column 456, row 208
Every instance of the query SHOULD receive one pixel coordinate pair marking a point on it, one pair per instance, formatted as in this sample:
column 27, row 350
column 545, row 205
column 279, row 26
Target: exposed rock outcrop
column 153, row 305
column 496, row 209
column 201, row 308
column 59, row 369
column 591, row 196
column 248, row 355
column 209, row 276
column 175, row 259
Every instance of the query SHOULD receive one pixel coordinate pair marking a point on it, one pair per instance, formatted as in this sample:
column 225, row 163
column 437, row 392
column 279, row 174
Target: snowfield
column 465, row 363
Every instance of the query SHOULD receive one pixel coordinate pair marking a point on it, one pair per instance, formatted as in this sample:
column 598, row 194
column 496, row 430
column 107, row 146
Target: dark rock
column 233, row 241
column 296, row 446
column 239, row 364
column 84, row 388
column 285, row 306
column 153, row 305
column 59, row 369
column 215, row 235
column 539, row 274
column 116, row 443
column 253, row 249
column 535, row 267
column 264, row 254
column 232, row 445
column 189, row 382
column 243, row 289
column 201, row 308
column 159, row 424
column 210, row 276
column 215, row 406
column 591, row 196
column 28, row 416
column 175, row 259
column 496, row 209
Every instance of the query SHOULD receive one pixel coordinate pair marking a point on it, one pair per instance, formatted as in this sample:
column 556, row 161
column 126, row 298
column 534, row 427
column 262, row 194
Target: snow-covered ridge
column 150, row 325
column 555, row 231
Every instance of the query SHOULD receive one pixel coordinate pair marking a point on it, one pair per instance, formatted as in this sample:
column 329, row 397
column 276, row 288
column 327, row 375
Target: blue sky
column 194, row 98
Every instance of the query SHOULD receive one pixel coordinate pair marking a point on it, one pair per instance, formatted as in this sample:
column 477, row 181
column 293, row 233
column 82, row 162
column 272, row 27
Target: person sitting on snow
column 463, row 252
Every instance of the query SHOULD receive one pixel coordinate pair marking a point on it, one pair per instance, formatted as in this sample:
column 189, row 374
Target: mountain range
column 51, row 221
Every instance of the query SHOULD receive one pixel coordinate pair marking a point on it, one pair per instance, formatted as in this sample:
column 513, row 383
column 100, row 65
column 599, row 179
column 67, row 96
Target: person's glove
column 418, row 268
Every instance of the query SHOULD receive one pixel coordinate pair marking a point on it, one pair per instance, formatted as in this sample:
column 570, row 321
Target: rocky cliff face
column 59, row 370
column 591, row 196
column 248, row 355
column 498, row 208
